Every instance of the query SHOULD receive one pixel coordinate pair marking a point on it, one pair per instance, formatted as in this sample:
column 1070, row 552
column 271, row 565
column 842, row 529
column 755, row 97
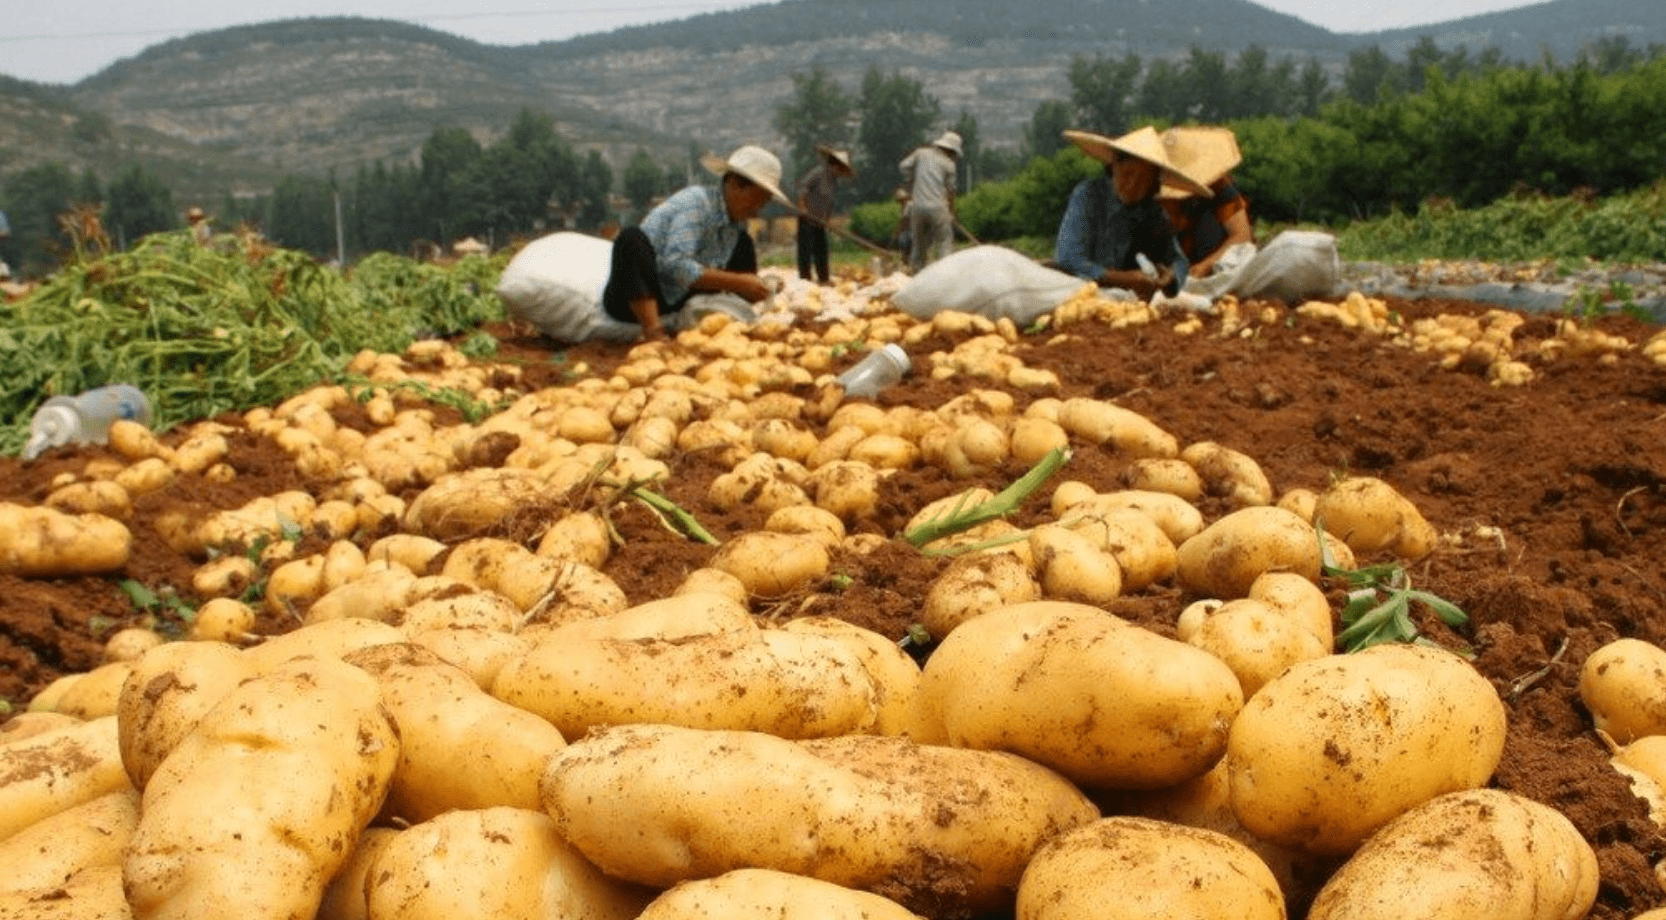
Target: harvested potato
column 101, row 496
column 472, row 503
column 128, row 644
column 926, row 826
column 1479, row 854
column 313, row 738
column 582, row 536
column 1229, row 473
column 1130, row 868
column 1335, row 748
column 1177, row 517
column 223, row 619
column 1620, row 684
column 1256, row 641
column 503, row 863
column 225, row 576
column 481, row 653
column 167, row 693
column 1131, row 433
column 41, row 542
column 755, row 894
column 30, row 723
column 1226, row 557
column 51, row 851
column 773, row 564
column 1101, row 701
column 57, row 770
column 975, row 584
column 1171, row 475
column 1143, row 552
column 1370, row 516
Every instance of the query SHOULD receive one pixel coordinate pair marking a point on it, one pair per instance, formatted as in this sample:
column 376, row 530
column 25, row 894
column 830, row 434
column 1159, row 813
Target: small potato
column 758, row 893
column 1479, row 854
column 973, row 585
column 223, row 619
column 1130, row 868
column 96, row 692
column 1142, row 551
column 1226, row 557
column 152, row 474
column 773, row 564
column 1371, row 516
column 581, row 536
column 1256, row 641
column 410, row 550
column 128, row 644
column 808, row 520
column 1177, row 517
column 846, row 488
column 1230, row 473
column 1620, row 684
column 225, row 576
column 1034, row 438
column 98, row 497
column 1170, row 475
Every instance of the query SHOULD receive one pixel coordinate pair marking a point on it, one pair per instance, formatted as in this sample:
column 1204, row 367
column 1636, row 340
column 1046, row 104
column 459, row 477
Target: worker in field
column 1208, row 226
column 695, row 242
column 1114, row 222
column 197, row 219
column 929, row 176
column 815, row 208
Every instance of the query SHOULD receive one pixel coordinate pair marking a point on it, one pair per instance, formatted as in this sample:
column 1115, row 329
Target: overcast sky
column 65, row 41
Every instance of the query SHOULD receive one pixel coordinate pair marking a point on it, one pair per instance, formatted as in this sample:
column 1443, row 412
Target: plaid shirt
column 1099, row 232
column 691, row 232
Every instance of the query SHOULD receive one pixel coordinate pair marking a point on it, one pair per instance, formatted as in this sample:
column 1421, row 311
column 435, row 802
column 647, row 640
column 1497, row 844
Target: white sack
column 555, row 283
column 990, row 281
column 1296, row 265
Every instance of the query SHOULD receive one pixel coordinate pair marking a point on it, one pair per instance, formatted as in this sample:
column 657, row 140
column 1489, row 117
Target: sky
column 66, row 41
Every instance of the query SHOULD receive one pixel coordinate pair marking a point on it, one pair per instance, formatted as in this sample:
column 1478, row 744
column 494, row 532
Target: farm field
column 1549, row 495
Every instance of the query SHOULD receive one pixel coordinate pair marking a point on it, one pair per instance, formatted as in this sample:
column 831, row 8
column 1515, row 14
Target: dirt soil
column 1570, row 469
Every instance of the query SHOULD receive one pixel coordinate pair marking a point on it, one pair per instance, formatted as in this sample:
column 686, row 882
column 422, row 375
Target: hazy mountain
column 230, row 109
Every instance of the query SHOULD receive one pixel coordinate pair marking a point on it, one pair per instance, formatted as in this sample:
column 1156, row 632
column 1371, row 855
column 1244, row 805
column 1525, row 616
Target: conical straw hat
column 1206, row 153
column 1143, row 144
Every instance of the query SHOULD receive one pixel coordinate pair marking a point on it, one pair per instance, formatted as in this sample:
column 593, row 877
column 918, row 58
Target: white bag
column 990, row 281
column 1296, row 265
column 555, row 283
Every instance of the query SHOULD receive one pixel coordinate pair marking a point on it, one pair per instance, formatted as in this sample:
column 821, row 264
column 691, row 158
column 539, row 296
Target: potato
column 1131, row 433
column 1143, row 552
column 409, row 550
column 759, row 893
column 973, row 585
column 1129, row 868
column 796, row 685
column 1070, row 567
column 1620, row 684
column 1171, row 475
column 1480, row 854
column 225, row 576
column 773, row 564
column 1229, row 473
column 313, row 739
column 942, row 831
column 223, row 619
column 1256, row 641
column 49, row 852
column 808, row 520
column 439, row 710
column 1103, row 702
column 472, row 503
column 1370, row 516
column 167, row 693
column 503, row 863
column 1226, row 557
column 41, row 542
column 152, row 474
column 57, row 770
column 92, row 894
column 846, row 488
column 1335, row 748
column 582, row 536
column 345, row 897
column 128, row 644
column 1177, row 517
column 100, row 496
column 30, row 723
column 1300, row 599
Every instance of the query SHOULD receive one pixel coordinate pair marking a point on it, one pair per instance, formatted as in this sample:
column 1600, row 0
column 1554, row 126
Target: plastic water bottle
column 881, row 368
column 84, row 419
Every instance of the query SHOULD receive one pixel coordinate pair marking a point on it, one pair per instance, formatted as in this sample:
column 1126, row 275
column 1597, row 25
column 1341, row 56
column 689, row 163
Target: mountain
column 226, row 111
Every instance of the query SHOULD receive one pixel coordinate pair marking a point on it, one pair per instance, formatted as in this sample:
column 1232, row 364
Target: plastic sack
column 990, row 281
column 555, row 283
column 1296, row 265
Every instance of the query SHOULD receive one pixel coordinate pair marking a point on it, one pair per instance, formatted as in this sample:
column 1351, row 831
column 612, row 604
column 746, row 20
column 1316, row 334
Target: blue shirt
column 691, row 232
column 1099, row 232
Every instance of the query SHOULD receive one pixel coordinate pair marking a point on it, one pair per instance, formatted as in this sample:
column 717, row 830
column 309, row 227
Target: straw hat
column 1205, row 153
column 751, row 162
column 949, row 141
column 194, row 214
column 1144, row 144
column 841, row 157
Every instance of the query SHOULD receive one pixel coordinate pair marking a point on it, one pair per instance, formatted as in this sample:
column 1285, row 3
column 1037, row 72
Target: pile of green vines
column 206, row 329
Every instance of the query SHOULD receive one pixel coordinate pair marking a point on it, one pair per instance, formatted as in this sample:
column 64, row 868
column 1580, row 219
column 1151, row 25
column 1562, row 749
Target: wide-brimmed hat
column 1204, row 152
column 194, row 213
column 841, row 157
column 750, row 162
column 1144, row 144
column 949, row 141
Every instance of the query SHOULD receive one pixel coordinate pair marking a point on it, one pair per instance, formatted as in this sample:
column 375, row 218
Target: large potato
column 1125, row 868
column 1370, row 516
column 1620, row 683
column 1480, row 854
column 502, row 863
column 944, row 832
column 51, row 851
column 473, row 503
column 41, row 542
column 93, row 894
column 1069, row 686
column 765, row 894
column 167, row 693
column 255, row 810
column 1337, row 747
column 58, row 769
column 1226, row 557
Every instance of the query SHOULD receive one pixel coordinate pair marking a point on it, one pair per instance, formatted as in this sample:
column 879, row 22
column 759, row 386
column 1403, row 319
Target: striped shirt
column 691, row 232
column 815, row 192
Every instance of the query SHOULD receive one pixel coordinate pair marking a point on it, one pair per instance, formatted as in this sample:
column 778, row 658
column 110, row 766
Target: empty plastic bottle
column 881, row 368
column 84, row 419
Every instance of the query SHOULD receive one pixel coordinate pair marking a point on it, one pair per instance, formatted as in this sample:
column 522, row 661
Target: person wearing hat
column 929, row 175
column 201, row 230
column 694, row 242
column 815, row 208
column 1206, row 225
column 1113, row 219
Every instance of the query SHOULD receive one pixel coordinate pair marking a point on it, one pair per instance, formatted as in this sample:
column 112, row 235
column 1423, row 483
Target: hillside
column 230, row 109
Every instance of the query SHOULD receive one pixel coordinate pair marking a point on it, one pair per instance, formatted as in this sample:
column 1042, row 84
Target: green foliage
column 896, row 116
column 1378, row 608
column 819, row 113
column 138, row 204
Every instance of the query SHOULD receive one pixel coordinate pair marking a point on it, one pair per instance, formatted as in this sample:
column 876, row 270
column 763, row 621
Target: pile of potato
column 468, row 725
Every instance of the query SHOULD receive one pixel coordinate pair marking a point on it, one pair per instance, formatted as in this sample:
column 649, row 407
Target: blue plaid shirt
column 1099, row 232
column 691, row 232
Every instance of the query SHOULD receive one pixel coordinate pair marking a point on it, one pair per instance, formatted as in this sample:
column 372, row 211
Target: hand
column 751, row 288
column 654, row 333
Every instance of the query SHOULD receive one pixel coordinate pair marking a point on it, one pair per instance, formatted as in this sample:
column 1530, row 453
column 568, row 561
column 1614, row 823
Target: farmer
column 694, row 242
column 1113, row 219
column 1207, row 226
column 201, row 229
column 928, row 174
column 815, row 208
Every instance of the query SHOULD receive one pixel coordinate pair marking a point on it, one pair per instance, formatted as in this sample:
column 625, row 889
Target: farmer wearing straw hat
column 694, row 242
column 929, row 174
column 1114, row 219
column 1207, row 226
column 815, row 207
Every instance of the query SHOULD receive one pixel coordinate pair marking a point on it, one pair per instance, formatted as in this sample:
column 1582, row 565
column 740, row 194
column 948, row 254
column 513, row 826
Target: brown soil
column 1571, row 469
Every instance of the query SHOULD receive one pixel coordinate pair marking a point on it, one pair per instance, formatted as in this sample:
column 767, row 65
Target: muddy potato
column 1071, row 567
column 973, row 585
column 773, row 564
column 412, row 551
column 580, row 536
column 1101, row 701
column 1130, row 868
column 1226, row 557
column 1256, row 641
column 1620, row 683
column 128, row 644
column 345, row 897
column 754, row 894
column 808, row 520
column 58, row 769
column 472, row 502
column 1371, row 516
column 481, row 653
column 324, row 639
column 41, row 542
column 1178, row 518
column 1480, row 854
column 927, row 825
column 1034, row 438
column 225, row 576
column 845, row 488
column 1336, row 747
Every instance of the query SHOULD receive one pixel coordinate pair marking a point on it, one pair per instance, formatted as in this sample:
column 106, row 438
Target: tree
column 303, row 215
column 1101, row 91
column 971, row 148
column 896, row 117
column 595, row 186
column 446, row 155
column 642, row 180
column 820, row 113
column 33, row 201
column 138, row 204
column 1047, row 126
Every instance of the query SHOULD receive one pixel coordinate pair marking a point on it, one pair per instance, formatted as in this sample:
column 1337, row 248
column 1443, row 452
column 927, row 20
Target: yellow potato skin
column 1226, row 557
column 1336, row 747
column 53, row 850
column 1103, row 702
column 58, row 769
column 1620, row 684
column 1480, row 854
column 767, row 893
column 1128, row 868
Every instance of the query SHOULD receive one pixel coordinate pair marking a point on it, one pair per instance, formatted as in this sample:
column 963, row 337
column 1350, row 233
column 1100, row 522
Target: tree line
column 1385, row 135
